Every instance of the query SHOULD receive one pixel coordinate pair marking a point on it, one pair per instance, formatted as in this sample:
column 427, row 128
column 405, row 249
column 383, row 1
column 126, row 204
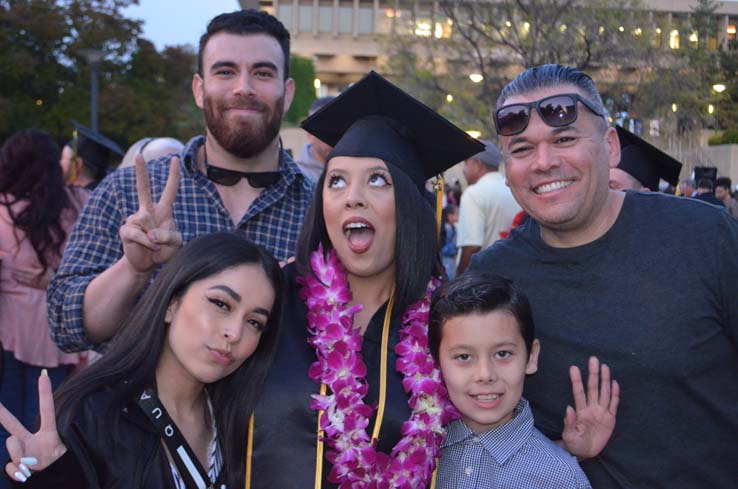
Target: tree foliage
column 45, row 79
column 302, row 71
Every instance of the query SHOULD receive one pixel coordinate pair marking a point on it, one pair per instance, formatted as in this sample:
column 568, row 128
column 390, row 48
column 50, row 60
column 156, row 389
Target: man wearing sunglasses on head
column 592, row 262
column 235, row 177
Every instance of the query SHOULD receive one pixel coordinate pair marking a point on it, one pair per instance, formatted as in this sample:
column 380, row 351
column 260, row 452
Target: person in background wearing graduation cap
column 642, row 165
column 592, row 261
column 706, row 192
column 356, row 306
column 168, row 405
column 237, row 176
column 86, row 158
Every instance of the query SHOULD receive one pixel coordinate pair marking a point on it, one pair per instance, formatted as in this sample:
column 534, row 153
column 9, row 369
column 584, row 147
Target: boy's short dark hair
column 244, row 22
column 478, row 293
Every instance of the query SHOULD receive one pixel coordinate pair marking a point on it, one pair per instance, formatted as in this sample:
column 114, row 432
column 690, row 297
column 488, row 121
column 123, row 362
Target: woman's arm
column 40, row 459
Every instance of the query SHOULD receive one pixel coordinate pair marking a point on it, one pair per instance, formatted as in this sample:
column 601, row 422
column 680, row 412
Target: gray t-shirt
column 656, row 299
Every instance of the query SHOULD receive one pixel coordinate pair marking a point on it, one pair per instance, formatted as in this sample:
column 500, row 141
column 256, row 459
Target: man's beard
column 243, row 138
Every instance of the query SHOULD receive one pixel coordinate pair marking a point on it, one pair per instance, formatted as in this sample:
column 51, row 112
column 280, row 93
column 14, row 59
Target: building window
column 345, row 20
column 285, row 15
column 731, row 32
column 306, row 18
column 366, row 20
column 325, row 19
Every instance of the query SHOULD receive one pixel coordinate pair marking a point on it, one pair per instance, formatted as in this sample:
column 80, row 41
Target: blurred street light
column 93, row 57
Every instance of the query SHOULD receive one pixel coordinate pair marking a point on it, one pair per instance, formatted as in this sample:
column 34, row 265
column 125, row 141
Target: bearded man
column 236, row 177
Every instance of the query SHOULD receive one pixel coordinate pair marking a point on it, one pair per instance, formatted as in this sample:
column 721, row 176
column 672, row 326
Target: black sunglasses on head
column 224, row 176
column 556, row 111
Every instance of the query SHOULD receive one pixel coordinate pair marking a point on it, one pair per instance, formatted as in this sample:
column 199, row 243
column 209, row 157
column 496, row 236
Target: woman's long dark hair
column 30, row 170
column 129, row 364
column 416, row 244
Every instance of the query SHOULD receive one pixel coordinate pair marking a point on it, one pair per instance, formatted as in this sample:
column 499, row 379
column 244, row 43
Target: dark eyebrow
column 517, row 139
column 554, row 131
column 265, row 64
column 568, row 127
column 227, row 290
column 262, row 311
column 222, row 64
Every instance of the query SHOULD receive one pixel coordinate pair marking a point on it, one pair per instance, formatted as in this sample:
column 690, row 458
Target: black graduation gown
column 285, row 427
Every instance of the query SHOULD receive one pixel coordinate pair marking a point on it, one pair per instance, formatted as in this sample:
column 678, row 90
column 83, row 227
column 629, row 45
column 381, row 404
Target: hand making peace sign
column 149, row 236
column 30, row 452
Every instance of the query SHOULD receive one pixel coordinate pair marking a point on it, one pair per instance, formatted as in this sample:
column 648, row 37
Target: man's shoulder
column 659, row 210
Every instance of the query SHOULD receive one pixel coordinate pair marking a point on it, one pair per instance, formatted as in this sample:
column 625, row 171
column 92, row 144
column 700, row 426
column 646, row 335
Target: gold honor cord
column 438, row 187
column 434, row 476
column 319, row 450
column 382, row 393
column 249, row 451
column 383, row 367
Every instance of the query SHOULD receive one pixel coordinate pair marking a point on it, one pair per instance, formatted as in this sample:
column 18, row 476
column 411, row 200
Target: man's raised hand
column 589, row 425
column 149, row 236
column 32, row 452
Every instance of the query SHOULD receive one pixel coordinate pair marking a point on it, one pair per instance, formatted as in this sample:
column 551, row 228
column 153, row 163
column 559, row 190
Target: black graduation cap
column 375, row 118
column 645, row 162
column 705, row 172
column 94, row 148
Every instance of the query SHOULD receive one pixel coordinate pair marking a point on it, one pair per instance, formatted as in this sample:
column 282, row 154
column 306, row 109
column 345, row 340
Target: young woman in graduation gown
column 367, row 261
column 167, row 405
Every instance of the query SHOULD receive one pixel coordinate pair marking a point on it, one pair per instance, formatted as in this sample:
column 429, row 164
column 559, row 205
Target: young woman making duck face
column 175, row 387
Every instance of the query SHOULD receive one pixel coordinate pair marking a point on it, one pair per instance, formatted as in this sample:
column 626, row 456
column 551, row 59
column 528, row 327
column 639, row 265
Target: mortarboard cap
column 645, row 162
column 374, row 118
column 705, row 172
column 94, row 148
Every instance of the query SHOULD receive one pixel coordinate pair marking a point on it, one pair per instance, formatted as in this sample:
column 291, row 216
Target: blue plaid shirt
column 514, row 455
column 273, row 220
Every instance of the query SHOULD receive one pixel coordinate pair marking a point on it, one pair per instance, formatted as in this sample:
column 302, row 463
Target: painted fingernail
column 45, row 373
column 29, row 461
column 20, row 477
column 25, row 470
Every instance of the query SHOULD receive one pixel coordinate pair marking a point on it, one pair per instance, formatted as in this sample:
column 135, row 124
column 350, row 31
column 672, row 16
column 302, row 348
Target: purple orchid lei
column 356, row 462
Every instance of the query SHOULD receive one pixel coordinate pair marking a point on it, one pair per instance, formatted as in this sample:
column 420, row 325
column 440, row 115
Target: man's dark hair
column 725, row 183
column 245, row 22
column 552, row 75
column 478, row 293
column 706, row 184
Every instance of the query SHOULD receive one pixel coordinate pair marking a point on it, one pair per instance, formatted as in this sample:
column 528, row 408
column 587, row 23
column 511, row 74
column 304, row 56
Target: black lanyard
column 189, row 467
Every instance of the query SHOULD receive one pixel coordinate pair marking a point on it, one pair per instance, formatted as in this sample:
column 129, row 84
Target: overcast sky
column 174, row 22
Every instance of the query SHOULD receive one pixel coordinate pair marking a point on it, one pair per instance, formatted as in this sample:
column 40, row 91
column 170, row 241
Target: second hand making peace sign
column 149, row 236
column 33, row 451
